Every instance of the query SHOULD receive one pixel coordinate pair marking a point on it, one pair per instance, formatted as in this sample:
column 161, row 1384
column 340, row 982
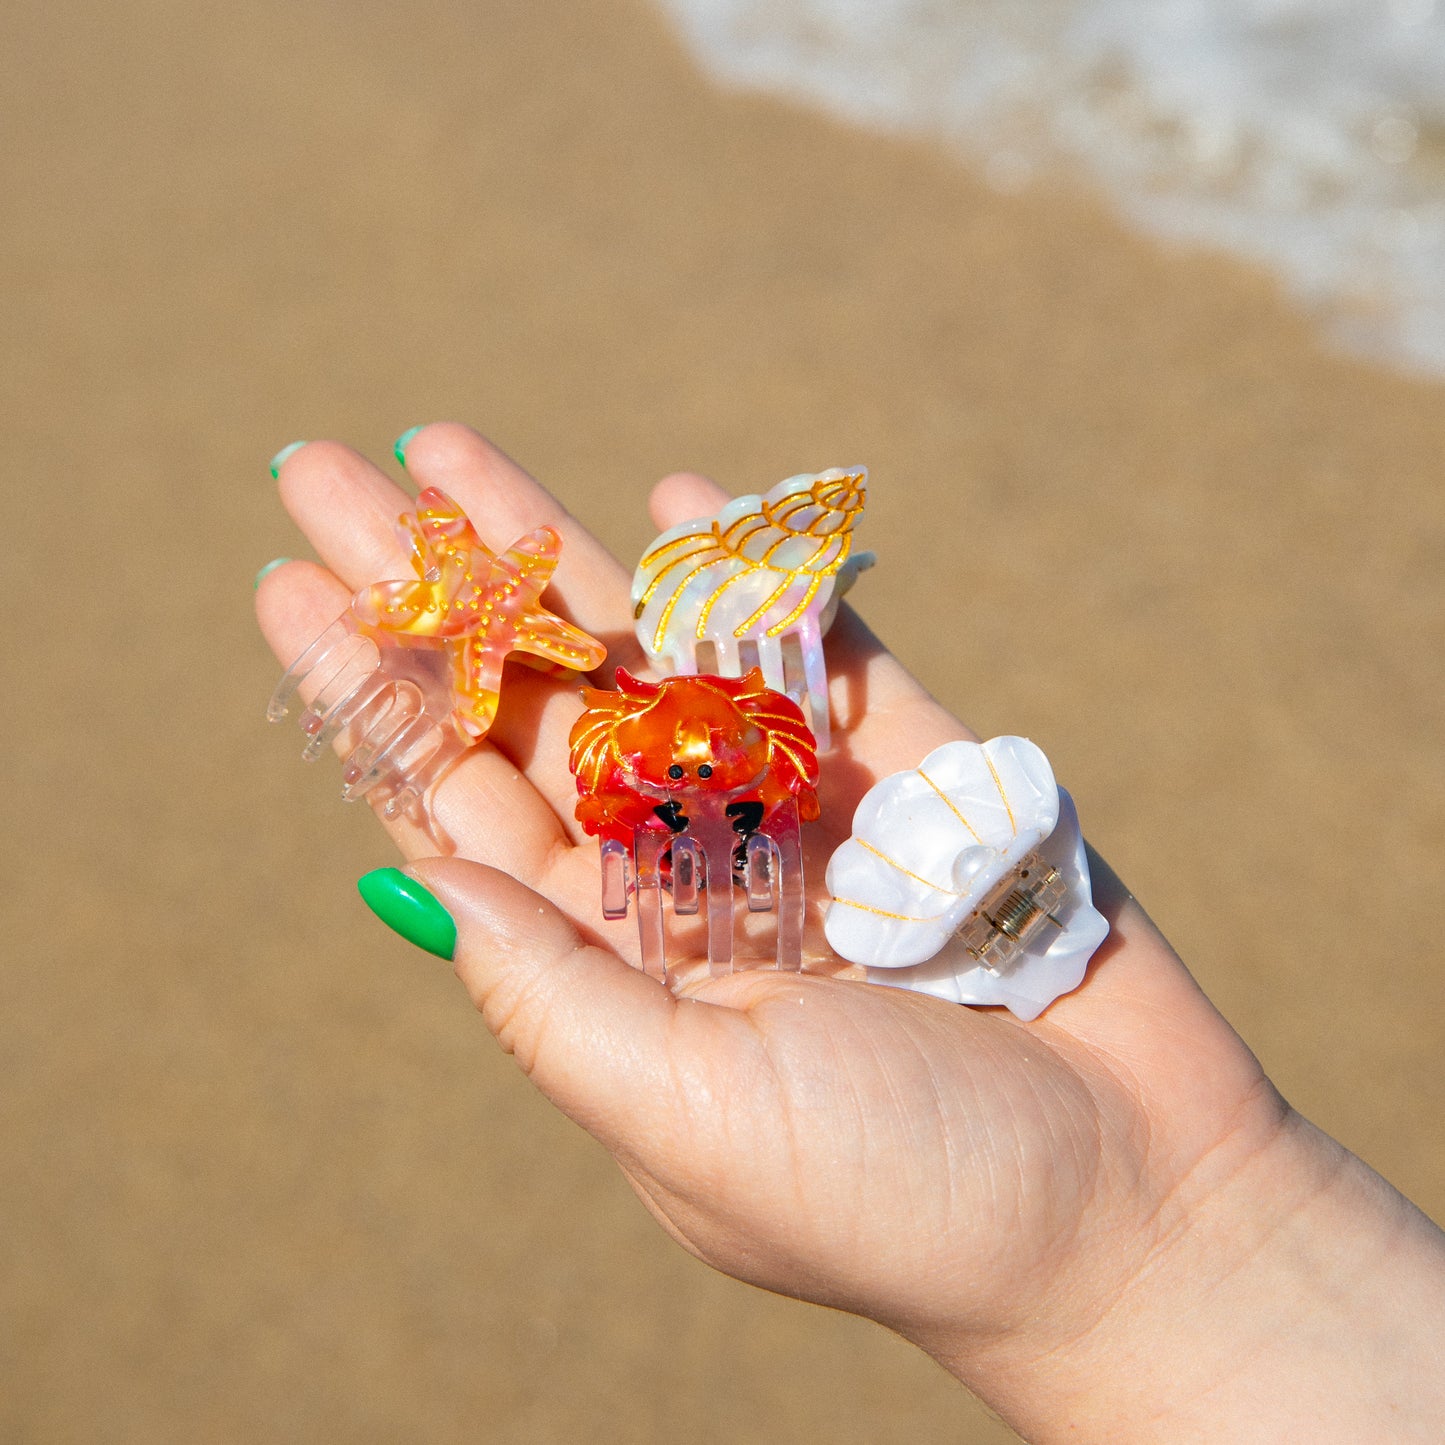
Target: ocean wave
column 1305, row 135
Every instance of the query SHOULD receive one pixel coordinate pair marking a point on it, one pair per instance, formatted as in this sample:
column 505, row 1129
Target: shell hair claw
column 966, row 878
column 756, row 586
column 410, row 675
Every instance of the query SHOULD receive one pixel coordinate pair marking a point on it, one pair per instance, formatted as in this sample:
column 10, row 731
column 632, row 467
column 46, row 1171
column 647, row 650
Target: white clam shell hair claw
column 966, row 878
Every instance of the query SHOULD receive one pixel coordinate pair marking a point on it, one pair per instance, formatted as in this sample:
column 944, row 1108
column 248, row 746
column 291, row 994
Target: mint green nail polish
column 281, row 456
column 269, row 568
column 408, row 909
column 399, row 445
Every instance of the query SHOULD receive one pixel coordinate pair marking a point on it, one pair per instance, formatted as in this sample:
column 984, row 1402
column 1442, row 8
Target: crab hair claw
column 697, row 787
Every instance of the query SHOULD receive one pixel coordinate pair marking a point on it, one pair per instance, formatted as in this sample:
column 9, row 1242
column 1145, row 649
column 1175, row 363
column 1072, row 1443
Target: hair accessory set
column 965, row 877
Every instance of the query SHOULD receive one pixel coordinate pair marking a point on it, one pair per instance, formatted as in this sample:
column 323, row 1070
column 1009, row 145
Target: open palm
column 948, row 1171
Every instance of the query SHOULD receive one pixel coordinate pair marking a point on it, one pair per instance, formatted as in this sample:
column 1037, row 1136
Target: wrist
column 1283, row 1291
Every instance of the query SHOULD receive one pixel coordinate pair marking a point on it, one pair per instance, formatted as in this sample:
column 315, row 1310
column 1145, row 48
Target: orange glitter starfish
column 477, row 606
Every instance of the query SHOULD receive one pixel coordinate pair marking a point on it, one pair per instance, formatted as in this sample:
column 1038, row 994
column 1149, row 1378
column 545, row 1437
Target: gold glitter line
column 661, row 549
column 704, row 681
column 705, row 543
column 778, row 628
column 786, row 508
column 650, row 591
column 794, row 753
column 705, row 614
column 844, row 528
column 753, row 522
column 948, row 803
column 779, row 717
column 884, row 913
column 783, row 542
column 1003, row 796
column 894, row 863
column 776, row 595
column 676, row 597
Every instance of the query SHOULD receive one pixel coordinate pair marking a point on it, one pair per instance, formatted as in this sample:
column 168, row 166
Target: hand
column 1075, row 1216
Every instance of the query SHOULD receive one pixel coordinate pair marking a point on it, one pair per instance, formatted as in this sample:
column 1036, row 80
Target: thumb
column 587, row 1028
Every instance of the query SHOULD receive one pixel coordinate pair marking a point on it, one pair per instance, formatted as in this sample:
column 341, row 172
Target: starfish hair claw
column 410, row 675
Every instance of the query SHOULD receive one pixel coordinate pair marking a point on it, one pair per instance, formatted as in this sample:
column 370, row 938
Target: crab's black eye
column 705, row 771
column 675, row 771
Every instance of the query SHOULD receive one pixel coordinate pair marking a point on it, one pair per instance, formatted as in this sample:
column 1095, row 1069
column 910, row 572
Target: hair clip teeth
column 384, row 709
column 756, row 586
column 697, row 788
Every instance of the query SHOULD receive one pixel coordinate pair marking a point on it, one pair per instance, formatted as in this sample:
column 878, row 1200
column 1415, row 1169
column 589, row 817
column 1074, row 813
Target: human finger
column 295, row 603
column 591, row 1031
column 590, row 588
column 348, row 508
column 504, row 502
column 485, row 804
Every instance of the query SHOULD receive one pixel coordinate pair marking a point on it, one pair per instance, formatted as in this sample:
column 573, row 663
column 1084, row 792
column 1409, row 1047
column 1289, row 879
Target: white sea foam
column 1308, row 135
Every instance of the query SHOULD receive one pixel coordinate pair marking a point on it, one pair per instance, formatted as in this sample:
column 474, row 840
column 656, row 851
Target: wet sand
column 267, row 1178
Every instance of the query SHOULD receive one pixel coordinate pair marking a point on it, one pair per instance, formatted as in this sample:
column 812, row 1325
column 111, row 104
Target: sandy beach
column 267, row 1176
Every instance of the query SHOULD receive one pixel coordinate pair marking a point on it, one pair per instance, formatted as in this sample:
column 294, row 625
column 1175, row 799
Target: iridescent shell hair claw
column 410, row 675
column 756, row 586
column 696, row 787
column 966, row 878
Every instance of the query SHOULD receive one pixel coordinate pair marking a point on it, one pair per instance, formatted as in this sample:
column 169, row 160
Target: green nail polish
column 281, row 456
column 399, row 445
column 269, row 568
column 408, row 909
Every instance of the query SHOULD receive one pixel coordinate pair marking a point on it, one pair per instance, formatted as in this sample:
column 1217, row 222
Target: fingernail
column 400, row 444
column 281, row 456
column 269, row 568
column 408, row 909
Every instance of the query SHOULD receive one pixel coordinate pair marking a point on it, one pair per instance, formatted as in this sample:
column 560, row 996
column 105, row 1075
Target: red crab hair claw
column 697, row 786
